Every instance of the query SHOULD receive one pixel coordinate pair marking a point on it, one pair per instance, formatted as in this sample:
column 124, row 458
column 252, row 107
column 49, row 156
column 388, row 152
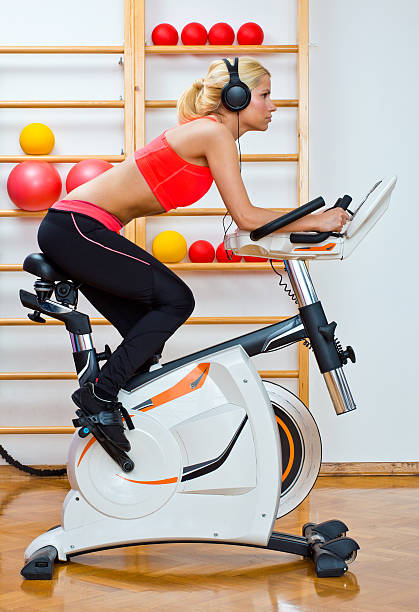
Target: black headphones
column 235, row 95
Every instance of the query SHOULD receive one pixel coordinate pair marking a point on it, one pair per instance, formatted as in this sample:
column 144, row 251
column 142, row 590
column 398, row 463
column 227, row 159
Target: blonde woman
column 139, row 295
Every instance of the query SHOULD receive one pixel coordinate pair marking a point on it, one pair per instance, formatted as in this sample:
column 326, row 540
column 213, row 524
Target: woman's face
column 257, row 115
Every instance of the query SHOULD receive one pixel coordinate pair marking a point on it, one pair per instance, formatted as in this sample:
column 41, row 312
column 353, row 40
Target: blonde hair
column 203, row 97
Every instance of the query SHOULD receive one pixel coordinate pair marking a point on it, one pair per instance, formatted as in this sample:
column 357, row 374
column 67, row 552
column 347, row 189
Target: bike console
column 267, row 241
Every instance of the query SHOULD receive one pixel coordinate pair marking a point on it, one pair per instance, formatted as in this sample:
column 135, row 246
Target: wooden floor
column 382, row 513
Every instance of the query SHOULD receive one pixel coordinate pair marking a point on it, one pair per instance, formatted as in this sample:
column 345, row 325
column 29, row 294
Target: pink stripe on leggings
column 105, row 247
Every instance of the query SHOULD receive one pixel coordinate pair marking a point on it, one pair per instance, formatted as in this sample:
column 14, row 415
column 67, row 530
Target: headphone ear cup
column 236, row 97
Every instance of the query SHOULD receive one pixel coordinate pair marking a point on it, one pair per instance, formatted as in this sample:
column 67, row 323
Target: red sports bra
column 174, row 181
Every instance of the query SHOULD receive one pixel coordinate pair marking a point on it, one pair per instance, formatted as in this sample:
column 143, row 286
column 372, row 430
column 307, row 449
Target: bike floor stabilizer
column 325, row 544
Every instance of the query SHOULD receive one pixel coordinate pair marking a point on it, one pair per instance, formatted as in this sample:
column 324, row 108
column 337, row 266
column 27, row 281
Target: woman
column 140, row 296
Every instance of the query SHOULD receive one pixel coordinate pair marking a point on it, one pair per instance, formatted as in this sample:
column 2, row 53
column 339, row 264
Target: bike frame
column 273, row 337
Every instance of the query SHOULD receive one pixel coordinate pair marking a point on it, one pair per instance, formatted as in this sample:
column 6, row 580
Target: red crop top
column 174, row 181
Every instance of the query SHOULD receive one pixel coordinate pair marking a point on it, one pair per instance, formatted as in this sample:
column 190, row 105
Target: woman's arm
column 221, row 154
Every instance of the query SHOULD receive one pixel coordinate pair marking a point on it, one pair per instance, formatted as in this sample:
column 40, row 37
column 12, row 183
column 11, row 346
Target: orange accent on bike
column 149, row 482
column 86, row 448
column 291, row 443
column 327, row 247
column 183, row 387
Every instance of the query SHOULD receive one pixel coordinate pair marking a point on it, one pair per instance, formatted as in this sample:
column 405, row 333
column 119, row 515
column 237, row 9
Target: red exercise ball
column 221, row 34
column 164, row 34
column 251, row 259
column 194, row 34
column 201, row 251
column 84, row 171
column 222, row 255
column 34, row 185
column 250, row 34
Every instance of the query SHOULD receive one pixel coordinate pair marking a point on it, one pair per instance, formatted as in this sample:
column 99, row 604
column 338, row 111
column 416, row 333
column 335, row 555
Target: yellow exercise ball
column 169, row 247
column 37, row 139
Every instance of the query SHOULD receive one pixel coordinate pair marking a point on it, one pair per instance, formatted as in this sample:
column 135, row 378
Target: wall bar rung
column 192, row 267
column 181, row 212
column 270, row 157
column 22, row 213
column 62, row 49
column 62, row 104
column 159, row 49
column 207, row 212
column 192, row 321
column 173, row 103
column 73, row 375
column 58, row 159
column 27, row 429
column 220, row 49
column 108, row 103
column 67, row 159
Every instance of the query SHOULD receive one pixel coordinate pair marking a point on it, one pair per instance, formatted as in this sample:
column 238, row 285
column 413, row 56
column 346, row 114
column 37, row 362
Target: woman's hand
column 331, row 220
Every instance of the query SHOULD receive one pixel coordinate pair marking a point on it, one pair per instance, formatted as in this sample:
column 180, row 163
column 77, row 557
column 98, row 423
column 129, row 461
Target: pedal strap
column 126, row 416
column 105, row 417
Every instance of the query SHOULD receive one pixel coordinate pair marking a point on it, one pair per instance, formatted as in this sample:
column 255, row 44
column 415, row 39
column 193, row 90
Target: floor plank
column 382, row 513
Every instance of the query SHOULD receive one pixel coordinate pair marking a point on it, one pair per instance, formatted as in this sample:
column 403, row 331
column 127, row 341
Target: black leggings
column 139, row 295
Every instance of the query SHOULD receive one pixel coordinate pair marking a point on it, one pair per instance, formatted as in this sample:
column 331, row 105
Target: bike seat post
column 84, row 356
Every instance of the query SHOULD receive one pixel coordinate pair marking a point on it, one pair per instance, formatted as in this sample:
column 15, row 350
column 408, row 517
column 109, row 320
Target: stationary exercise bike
column 217, row 454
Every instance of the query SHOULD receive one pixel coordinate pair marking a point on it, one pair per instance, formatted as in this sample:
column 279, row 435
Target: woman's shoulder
column 199, row 128
column 208, row 126
column 205, row 121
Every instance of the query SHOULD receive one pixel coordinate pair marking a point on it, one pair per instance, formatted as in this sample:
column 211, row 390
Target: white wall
column 345, row 108
column 363, row 105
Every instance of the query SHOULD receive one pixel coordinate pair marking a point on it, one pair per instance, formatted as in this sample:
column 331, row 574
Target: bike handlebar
column 293, row 215
column 296, row 214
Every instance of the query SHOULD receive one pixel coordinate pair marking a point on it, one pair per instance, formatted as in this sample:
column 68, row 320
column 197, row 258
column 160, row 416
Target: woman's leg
column 123, row 314
column 104, row 260
column 142, row 297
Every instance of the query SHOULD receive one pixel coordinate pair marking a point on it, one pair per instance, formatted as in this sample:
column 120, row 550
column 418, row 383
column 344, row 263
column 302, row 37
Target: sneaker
column 91, row 404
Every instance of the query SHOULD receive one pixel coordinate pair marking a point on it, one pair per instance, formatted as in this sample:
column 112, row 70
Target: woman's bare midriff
column 124, row 192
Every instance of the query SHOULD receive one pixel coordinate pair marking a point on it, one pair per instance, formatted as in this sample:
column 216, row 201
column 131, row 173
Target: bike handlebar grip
column 309, row 238
column 280, row 222
column 320, row 236
column 343, row 202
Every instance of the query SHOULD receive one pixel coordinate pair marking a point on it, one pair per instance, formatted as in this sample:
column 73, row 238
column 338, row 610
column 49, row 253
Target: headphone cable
column 230, row 255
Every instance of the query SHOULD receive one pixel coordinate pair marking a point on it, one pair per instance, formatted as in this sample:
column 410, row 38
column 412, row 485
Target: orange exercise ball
column 34, row 185
column 37, row 139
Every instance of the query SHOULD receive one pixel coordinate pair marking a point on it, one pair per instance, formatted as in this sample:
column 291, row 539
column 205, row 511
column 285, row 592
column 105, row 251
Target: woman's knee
column 189, row 302
column 171, row 293
column 183, row 302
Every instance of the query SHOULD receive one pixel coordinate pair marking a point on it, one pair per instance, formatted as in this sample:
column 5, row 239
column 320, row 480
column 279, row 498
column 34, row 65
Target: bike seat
column 39, row 265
